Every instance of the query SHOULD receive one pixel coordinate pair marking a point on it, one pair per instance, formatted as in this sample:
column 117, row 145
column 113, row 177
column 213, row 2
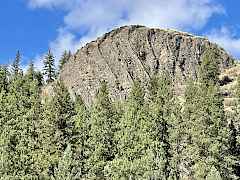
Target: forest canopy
column 153, row 134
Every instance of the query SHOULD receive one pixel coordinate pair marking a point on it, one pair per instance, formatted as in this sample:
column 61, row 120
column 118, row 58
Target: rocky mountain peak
column 136, row 52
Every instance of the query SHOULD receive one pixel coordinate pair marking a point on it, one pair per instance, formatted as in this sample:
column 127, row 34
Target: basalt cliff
column 136, row 53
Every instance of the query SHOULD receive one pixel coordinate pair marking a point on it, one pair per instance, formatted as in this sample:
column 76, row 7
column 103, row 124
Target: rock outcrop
column 135, row 52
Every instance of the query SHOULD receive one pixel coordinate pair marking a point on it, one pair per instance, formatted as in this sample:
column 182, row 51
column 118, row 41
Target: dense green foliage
column 49, row 67
column 152, row 135
column 64, row 59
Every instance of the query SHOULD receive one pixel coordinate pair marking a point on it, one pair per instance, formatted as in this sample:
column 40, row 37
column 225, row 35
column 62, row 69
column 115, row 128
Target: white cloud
column 65, row 41
column 92, row 14
column 227, row 39
column 94, row 17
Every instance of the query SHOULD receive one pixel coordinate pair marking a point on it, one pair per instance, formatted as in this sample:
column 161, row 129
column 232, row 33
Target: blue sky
column 27, row 30
column 33, row 26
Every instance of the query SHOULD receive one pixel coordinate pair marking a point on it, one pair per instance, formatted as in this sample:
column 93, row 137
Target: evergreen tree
column 161, row 116
column 65, row 58
column 55, row 129
column 16, row 70
column 149, row 136
column 64, row 170
column 30, row 71
column 33, row 74
column 134, row 157
column 101, row 133
column 206, row 130
column 3, row 78
column 237, row 91
column 48, row 154
column 80, row 138
column 4, row 155
column 214, row 175
column 64, row 110
column 177, row 140
column 17, row 130
column 232, row 141
column 49, row 67
column 206, row 127
column 234, row 135
column 39, row 78
column 209, row 70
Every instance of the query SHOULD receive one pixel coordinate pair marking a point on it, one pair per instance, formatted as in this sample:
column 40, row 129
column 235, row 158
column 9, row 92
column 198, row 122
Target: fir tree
column 3, row 78
column 55, row 129
column 39, row 78
column 31, row 71
column 102, row 128
column 34, row 75
column 177, row 140
column 232, row 141
column 160, row 114
column 4, row 155
column 134, row 156
column 234, row 135
column 213, row 174
column 209, row 70
column 17, row 129
column 49, row 67
column 206, row 130
column 16, row 70
column 65, row 58
column 64, row 170
column 80, row 138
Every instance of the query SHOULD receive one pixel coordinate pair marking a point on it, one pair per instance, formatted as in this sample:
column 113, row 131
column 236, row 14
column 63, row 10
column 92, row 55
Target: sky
column 34, row 26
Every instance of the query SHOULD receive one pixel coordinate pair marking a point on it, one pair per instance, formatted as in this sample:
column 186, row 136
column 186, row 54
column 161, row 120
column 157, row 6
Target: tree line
column 152, row 135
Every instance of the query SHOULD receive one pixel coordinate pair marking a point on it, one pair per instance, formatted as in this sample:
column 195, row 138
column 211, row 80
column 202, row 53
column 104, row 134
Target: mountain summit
column 133, row 53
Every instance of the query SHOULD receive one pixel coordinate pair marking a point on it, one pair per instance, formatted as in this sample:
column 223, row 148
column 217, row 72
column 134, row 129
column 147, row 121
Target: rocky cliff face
column 135, row 52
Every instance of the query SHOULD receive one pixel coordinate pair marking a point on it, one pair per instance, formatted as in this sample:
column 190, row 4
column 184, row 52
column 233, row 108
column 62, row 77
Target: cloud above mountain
column 93, row 14
column 226, row 38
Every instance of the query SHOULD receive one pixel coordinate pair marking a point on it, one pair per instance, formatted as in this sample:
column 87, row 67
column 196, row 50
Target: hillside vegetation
column 153, row 134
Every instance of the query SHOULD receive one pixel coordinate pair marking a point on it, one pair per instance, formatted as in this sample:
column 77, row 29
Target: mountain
column 176, row 129
column 133, row 53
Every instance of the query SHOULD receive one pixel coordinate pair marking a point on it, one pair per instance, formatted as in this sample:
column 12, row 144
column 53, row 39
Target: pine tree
column 206, row 130
column 237, row 91
column 3, row 78
column 55, row 129
column 49, row 67
column 31, row 71
column 48, row 154
column 39, row 78
column 101, row 133
column 161, row 116
column 177, row 140
column 16, row 70
column 65, row 58
column 232, row 141
column 206, row 124
column 134, row 156
column 80, row 138
column 209, row 70
column 213, row 174
column 64, row 110
column 4, row 155
column 234, row 135
column 64, row 170
column 17, row 130
column 33, row 75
